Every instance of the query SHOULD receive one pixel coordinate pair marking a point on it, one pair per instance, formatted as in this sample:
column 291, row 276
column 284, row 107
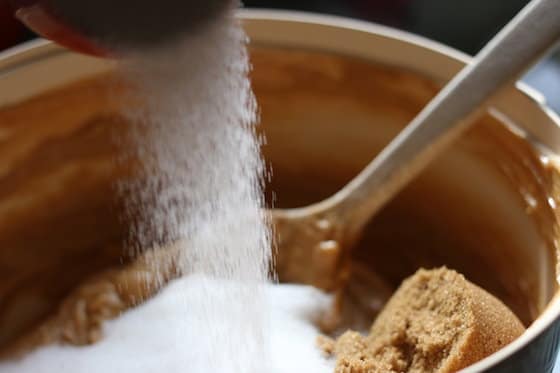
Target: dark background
column 463, row 24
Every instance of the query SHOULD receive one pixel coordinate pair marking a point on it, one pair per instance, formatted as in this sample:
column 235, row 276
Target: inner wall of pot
column 480, row 209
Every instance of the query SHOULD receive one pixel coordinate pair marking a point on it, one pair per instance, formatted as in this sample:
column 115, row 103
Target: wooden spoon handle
column 512, row 51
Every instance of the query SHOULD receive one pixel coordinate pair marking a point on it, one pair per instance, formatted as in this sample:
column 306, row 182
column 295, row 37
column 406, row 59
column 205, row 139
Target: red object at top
column 98, row 26
column 36, row 15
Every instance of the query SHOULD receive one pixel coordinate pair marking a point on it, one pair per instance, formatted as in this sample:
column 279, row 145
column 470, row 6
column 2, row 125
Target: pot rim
column 332, row 34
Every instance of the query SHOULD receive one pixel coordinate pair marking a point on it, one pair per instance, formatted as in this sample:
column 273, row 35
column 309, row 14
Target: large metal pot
column 332, row 92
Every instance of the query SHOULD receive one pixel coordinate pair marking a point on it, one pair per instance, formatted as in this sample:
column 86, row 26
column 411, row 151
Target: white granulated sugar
column 163, row 335
column 200, row 152
column 204, row 174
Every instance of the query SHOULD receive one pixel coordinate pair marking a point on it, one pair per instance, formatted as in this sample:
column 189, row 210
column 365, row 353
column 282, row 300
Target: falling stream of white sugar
column 203, row 170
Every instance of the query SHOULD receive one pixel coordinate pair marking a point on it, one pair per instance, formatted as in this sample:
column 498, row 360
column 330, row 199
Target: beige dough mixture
column 437, row 321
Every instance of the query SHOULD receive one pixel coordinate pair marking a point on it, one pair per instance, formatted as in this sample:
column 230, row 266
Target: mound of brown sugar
column 437, row 321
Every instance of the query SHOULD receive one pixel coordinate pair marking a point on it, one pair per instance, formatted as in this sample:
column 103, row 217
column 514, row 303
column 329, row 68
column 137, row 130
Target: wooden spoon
column 313, row 241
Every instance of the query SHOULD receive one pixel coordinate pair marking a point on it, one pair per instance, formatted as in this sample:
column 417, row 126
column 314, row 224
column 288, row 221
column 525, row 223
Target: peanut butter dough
column 79, row 319
column 437, row 321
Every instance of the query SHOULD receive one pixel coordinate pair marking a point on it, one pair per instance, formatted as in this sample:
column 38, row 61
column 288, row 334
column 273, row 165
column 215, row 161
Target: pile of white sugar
column 163, row 335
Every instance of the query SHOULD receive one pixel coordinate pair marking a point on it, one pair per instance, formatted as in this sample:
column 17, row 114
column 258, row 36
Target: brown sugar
column 437, row 321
